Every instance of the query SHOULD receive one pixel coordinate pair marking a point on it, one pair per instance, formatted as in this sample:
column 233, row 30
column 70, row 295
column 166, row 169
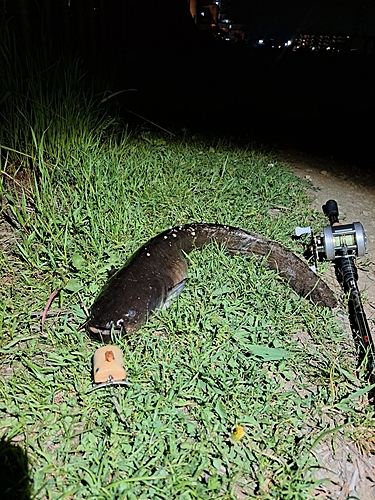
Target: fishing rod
column 342, row 243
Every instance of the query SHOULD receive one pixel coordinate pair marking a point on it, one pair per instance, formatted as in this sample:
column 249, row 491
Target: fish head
column 124, row 306
column 103, row 325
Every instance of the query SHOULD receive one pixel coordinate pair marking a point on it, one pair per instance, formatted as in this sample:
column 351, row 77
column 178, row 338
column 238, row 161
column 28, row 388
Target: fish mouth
column 102, row 333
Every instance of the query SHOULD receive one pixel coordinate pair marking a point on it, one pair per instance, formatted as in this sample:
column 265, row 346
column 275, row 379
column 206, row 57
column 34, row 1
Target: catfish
column 157, row 273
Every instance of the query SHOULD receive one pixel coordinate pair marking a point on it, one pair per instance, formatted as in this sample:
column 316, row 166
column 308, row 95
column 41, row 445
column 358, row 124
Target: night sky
column 184, row 77
column 356, row 17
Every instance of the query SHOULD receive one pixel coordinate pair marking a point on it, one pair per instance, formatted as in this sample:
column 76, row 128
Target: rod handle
column 331, row 210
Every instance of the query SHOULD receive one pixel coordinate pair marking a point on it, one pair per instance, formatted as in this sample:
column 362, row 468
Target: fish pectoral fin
column 173, row 293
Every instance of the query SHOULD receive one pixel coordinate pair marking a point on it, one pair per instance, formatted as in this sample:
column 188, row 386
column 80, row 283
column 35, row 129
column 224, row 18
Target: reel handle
column 331, row 210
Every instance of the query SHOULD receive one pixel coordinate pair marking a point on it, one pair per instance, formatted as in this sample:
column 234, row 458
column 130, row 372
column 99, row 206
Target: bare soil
column 348, row 470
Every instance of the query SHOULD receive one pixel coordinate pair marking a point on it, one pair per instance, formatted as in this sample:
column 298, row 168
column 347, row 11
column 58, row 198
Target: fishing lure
column 109, row 368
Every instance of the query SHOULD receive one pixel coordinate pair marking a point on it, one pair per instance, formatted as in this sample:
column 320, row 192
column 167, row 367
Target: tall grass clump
column 48, row 102
column 232, row 387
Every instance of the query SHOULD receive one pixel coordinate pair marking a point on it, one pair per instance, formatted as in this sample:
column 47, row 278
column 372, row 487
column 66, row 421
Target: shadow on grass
column 14, row 475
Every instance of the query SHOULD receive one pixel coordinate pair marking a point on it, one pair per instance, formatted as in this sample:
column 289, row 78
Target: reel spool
column 339, row 240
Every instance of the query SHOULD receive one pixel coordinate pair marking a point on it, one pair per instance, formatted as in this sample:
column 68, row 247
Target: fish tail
column 289, row 266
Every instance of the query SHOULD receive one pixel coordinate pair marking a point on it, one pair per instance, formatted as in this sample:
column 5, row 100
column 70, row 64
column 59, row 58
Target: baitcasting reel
column 337, row 240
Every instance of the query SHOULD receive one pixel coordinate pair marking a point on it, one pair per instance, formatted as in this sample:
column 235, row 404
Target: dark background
column 184, row 77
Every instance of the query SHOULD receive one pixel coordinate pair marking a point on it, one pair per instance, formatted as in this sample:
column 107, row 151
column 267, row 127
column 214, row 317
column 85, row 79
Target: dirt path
column 354, row 190
column 350, row 472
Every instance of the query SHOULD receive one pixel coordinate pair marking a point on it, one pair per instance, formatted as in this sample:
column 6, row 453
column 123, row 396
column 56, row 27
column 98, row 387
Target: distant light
column 260, row 42
column 202, row 13
column 288, row 43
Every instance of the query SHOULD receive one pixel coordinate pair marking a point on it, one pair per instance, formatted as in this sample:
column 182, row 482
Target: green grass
column 197, row 369
column 238, row 347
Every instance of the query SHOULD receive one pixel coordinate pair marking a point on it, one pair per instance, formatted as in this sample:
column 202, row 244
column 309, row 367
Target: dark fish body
column 158, row 271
